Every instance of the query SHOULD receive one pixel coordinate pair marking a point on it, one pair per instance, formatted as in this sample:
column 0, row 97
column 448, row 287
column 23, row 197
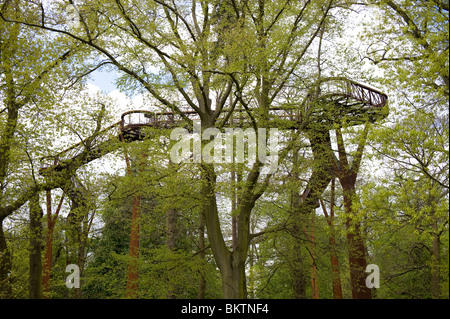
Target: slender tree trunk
column 83, row 240
column 234, row 277
column 297, row 268
column 48, row 248
column 6, row 140
column 35, row 260
column 233, row 210
column 314, row 275
column 133, row 267
column 336, row 277
column 48, row 252
column 201, row 246
column 435, row 266
column 132, row 279
column 298, row 264
column 171, row 242
column 335, row 273
column 5, row 267
column 356, row 248
column 232, row 269
column 251, row 280
column 77, row 233
column 79, row 209
column 299, row 280
column 47, row 269
column 171, row 229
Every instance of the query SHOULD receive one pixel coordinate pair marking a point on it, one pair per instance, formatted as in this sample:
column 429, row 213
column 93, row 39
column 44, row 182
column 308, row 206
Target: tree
column 411, row 42
column 22, row 77
column 347, row 174
column 200, row 68
column 416, row 151
column 37, row 73
column 201, row 228
column 415, row 49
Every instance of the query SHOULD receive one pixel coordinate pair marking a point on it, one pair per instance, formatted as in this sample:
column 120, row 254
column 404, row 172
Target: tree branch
column 359, row 152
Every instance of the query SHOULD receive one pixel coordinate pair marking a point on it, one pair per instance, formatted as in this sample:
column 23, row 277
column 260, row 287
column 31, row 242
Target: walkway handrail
column 337, row 86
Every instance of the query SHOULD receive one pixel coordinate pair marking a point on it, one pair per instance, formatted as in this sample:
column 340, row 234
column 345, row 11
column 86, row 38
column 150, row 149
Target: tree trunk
column 47, row 268
column 251, row 276
column 171, row 243
column 233, row 270
column 314, row 275
column 233, row 279
column 231, row 264
column 83, row 241
column 6, row 141
column 299, row 280
column 435, row 264
column 35, row 260
column 305, row 204
column 48, row 255
column 233, row 210
column 335, row 273
column 298, row 265
column 132, row 279
column 5, row 267
column 171, row 229
column 201, row 247
column 133, row 266
column 356, row 248
column 80, row 205
column 336, row 277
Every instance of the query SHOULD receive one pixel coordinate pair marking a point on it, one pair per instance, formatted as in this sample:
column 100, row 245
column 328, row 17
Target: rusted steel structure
column 353, row 102
column 352, row 94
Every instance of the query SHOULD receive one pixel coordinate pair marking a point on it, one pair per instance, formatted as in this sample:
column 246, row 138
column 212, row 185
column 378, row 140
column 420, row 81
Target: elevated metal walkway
column 336, row 100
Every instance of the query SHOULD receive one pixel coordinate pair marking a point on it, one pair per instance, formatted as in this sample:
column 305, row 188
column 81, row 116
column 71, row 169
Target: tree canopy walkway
column 334, row 100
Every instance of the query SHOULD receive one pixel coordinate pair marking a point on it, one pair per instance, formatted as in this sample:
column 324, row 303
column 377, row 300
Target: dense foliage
column 344, row 194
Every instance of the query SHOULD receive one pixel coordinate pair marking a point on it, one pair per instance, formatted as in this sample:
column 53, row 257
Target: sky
column 104, row 81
